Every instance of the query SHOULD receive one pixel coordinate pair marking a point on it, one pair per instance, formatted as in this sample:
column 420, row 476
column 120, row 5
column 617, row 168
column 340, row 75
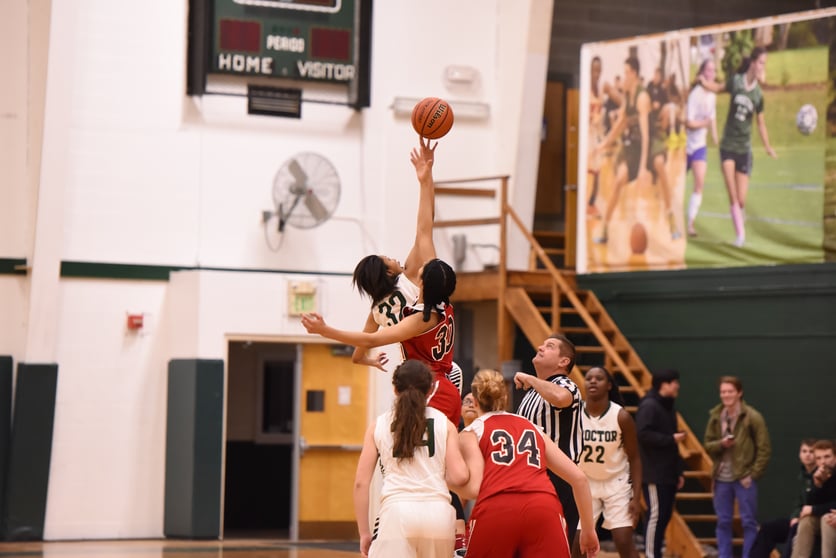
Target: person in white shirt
column 610, row 460
column 419, row 456
column 700, row 119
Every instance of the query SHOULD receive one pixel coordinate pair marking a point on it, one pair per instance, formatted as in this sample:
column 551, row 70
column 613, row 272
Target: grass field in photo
column 784, row 206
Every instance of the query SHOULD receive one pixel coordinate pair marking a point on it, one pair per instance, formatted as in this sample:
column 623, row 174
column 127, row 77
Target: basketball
column 638, row 239
column 432, row 117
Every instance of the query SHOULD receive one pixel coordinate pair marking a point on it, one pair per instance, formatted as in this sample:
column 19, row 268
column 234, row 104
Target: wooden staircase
column 543, row 300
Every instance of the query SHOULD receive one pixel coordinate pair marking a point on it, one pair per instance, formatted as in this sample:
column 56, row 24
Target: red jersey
column 435, row 348
column 515, row 457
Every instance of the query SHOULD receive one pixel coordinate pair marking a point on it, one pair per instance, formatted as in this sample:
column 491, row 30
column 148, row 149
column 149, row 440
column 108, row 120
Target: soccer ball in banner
column 806, row 119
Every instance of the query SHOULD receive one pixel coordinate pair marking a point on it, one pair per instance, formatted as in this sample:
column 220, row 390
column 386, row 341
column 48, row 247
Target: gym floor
column 238, row 548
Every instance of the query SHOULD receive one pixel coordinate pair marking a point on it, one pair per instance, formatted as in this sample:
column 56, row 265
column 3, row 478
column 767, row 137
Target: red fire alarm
column 134, row 321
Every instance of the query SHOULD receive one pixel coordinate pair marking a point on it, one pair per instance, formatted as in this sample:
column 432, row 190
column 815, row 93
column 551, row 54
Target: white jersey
column 423, row 476
column 389, row 311
column 603, row 456
column 701, row 106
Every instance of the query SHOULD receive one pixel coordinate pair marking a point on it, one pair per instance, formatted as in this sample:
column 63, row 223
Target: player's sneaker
column 460, row 549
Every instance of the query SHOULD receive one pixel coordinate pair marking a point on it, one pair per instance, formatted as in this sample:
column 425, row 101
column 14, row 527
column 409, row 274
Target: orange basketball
column 638, row 239
column 432, row 117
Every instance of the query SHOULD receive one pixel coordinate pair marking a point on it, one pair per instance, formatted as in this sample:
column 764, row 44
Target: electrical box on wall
column 301, row 298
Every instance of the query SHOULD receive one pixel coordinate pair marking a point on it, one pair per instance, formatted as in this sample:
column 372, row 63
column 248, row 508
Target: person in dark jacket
column 662, row 466
column 820, row 502
column 782, row 530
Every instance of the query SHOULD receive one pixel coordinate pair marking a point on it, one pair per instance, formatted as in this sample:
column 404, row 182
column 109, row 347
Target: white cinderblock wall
column 132, row 171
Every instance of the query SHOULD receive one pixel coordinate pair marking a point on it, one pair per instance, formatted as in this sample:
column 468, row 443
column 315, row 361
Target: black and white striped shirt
column 561, row 425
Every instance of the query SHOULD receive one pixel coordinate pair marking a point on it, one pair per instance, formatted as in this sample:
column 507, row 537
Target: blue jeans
column 725, row 493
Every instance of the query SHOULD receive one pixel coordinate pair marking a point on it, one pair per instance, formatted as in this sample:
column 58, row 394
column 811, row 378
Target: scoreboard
column 308, row 40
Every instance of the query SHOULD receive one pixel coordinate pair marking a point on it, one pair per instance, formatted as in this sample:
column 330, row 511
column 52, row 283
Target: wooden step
column 699, row 517
column 574, row 329
column 554, row 251
column 571, row 310
column 691, row 496
column 589, row 349
column 697, row 474
column 549, row 235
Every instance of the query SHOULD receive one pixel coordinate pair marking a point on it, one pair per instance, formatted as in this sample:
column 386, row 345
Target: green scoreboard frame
column 326, row 41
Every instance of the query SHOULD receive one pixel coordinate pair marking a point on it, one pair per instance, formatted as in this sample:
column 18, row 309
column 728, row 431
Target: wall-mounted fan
column 306, row 191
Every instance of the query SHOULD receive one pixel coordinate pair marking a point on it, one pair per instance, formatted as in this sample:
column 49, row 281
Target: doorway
column 296, row 416
column 261, row 432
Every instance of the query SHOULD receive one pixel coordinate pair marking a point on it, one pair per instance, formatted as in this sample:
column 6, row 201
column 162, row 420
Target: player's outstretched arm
column 407, row 328
column 423, row 249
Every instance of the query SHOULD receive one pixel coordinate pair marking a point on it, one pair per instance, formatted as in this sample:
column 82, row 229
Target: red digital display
column 241, row 36
column 331, row 44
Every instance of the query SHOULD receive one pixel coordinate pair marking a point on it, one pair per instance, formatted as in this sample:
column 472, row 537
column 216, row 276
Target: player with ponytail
column 517, row 512
column 419, row 456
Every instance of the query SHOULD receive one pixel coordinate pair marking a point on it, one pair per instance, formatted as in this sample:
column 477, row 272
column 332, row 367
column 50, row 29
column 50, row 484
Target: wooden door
column 548, row 204
column 333, row 415
column 571, row 194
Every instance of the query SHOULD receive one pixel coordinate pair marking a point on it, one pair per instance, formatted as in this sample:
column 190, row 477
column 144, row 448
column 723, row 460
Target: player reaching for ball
column 390, row 285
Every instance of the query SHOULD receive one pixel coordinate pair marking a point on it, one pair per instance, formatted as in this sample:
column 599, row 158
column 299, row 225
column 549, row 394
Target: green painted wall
column 774, row 327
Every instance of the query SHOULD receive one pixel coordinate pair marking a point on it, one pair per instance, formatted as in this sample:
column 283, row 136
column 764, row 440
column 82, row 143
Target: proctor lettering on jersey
column 286, row 44
column 439, row 112
column 600, row 435
column 325, row 70
column 245, row 64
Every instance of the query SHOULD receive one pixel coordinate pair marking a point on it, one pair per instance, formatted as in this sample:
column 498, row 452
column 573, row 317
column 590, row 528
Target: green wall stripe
column 12, row 266
column 103, row 270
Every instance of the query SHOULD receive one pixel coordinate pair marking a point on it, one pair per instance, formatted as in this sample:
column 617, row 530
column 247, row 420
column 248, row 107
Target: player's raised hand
column 423, row 157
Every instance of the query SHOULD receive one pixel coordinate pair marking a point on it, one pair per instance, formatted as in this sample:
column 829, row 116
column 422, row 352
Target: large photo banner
column 710, row 147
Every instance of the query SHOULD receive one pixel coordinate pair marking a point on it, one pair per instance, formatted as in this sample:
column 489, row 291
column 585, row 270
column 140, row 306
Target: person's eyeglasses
column 468, row 403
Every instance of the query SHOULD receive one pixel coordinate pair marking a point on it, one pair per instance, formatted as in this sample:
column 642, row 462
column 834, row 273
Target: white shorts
column 409, row 528
column 612, row 498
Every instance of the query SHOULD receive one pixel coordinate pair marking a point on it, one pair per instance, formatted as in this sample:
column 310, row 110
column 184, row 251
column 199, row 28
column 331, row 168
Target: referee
column 552, row 402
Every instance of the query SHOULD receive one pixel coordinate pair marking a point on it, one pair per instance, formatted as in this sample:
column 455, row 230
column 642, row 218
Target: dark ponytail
column 412, row 380
column 756, row 53
column 439, row 283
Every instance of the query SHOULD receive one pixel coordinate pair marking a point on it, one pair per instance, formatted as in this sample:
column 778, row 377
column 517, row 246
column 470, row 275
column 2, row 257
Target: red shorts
column 521, row 524
column 445, row 397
